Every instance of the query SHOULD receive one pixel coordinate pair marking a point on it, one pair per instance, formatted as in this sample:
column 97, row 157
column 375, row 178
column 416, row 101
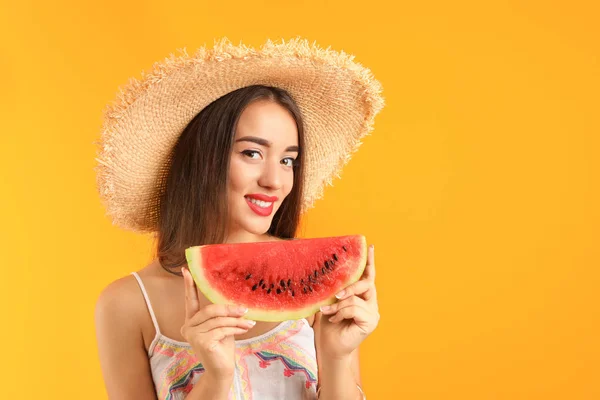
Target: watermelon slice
column 279, row 280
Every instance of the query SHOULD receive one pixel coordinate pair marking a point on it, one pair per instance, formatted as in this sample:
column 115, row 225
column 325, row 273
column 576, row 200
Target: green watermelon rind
column 195, row 267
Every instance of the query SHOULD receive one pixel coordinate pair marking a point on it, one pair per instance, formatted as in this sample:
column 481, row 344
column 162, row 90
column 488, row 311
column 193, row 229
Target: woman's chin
column 254, row 224
column 257, row 227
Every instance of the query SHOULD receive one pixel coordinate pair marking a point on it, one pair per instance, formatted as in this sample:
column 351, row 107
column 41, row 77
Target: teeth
column 262, row 204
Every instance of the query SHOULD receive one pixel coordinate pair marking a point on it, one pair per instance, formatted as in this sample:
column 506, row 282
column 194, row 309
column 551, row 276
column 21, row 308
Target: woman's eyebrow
column 264, row 142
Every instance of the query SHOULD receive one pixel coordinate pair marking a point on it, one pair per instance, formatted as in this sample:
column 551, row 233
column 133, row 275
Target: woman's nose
column 271, row 175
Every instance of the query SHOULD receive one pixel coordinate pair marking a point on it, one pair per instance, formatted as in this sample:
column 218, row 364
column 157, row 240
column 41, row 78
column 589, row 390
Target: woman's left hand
column 346, row 323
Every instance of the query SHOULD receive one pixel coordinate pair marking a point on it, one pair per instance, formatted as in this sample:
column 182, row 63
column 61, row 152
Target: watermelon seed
column 309, row 288
column 323, row 271
column 303, row 290
column 269, row 291
column 248, row 276
column 254, row 287
column 289, row 283
column 264, row 286
column 260, row 283
column 335, row 257
column 272, row 286
column 293, row 294
column 278, row 291
column 344, row 247
column 282, row 283
column 316, row 273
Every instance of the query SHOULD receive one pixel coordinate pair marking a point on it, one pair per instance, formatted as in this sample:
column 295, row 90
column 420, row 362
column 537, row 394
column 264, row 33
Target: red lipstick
column 262, row 211
column 262, row 197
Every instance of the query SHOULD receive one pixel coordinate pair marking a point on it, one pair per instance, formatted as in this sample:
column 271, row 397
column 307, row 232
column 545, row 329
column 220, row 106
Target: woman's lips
column 263, row 212
column 262, row 197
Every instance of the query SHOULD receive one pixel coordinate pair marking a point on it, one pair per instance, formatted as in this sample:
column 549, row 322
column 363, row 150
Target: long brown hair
column 192, row 206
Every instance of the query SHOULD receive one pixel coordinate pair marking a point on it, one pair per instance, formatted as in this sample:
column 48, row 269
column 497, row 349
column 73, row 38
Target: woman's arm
column 123, row 358
column 337, row 378
column 349, row 321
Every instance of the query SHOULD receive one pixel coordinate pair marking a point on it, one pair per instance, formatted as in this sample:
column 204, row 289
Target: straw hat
column 338, row 98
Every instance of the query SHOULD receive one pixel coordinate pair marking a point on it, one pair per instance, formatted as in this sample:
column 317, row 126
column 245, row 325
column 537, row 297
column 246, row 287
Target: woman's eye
column 250, row 152
column 291, row 161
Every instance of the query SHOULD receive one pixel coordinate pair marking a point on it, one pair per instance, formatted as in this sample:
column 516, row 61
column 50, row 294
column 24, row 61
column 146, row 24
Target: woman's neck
column 247, row 237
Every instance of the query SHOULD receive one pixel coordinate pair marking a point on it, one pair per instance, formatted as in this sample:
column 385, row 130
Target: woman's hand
column 346, row 323
column 209, row 330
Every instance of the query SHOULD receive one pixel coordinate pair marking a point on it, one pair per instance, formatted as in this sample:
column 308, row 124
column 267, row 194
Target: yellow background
column 479, row 185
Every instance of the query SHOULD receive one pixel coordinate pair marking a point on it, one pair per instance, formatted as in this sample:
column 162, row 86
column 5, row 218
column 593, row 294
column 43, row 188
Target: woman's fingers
column 355, row 308
column 192, row 304
column 359, row 314
column 363, row 288
column 214, row 311
column 351, row 301
column 214, row 322
column 214, row 317
column 223, row 332
column 219, row 322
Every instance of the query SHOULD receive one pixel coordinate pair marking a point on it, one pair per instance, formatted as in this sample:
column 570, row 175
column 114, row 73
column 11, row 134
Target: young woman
column 230, row 162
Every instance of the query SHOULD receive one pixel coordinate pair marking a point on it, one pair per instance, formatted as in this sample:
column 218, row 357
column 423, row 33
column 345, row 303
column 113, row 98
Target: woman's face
column 260, row 173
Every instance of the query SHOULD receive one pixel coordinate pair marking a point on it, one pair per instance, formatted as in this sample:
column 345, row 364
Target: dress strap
column 137, row 277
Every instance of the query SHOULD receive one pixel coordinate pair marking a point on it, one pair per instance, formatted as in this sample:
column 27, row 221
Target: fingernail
column 251, row 323
column 331, row 319
column 243, row 310
column 325, row 308
column 340, row 294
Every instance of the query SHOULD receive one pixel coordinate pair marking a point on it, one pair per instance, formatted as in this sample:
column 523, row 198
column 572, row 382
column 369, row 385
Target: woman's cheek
column 240, row 174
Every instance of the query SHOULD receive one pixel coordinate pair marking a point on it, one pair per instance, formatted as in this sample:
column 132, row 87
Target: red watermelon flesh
column 278, row 280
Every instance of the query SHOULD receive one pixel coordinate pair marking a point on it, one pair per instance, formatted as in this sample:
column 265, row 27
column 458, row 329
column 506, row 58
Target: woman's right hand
column 209, row 330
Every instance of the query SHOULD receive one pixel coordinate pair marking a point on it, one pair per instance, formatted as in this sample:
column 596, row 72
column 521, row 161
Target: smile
column 262, row 208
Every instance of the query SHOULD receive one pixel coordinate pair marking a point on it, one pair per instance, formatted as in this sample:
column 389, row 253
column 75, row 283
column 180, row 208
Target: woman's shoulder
column 119, row 289
column 119, row 323
column 118, row 300
column 122, row 298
